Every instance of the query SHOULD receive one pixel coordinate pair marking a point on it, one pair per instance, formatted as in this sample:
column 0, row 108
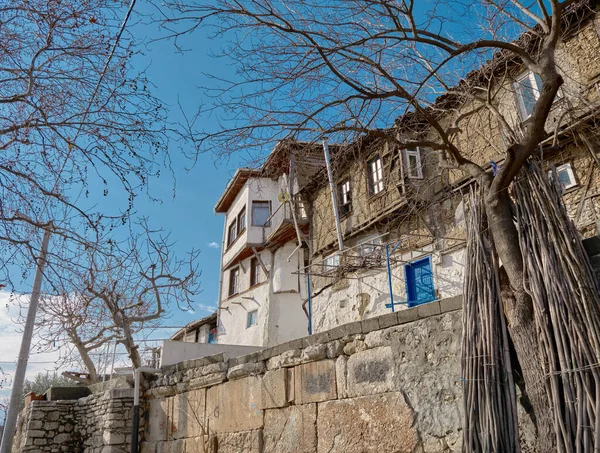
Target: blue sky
column 189, row 216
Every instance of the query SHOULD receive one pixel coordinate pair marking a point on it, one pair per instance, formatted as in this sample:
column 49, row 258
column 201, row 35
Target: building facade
column 401, row 211
column 262, row 292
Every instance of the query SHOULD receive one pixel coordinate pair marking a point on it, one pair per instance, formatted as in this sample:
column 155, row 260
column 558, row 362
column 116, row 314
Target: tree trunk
column 518, row 308
column 87, row 361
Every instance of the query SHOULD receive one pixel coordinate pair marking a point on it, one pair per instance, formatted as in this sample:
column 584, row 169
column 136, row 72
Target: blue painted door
column 419, row 282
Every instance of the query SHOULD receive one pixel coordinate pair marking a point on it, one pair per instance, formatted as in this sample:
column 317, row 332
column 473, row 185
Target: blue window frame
column 419, row 282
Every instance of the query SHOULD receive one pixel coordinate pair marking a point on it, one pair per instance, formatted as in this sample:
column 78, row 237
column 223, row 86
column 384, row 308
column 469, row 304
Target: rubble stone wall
column 386, row 384
column 94, row 424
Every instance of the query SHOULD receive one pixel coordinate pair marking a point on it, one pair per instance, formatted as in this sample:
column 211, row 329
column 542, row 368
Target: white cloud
column 206, row 307
column 212, row 245
column 11, row 334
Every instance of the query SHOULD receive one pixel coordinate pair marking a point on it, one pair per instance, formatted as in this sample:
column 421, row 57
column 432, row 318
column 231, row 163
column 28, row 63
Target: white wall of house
column 277, row 299
column 366, row 294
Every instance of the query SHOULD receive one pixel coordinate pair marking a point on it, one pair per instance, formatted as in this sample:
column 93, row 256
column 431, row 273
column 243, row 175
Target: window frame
column 345, row 197
column 569, row 169
column 519, row 92
column 268, row 203
column 254, row 272
column 373, row 184
column 234, row 290
column 231, row 238
column 241, row 216
column 329, row 267
column 252, row 318
column 417, row 153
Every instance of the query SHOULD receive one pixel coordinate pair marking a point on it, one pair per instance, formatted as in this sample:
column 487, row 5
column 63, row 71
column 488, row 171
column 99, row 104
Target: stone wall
column 386, row 384
column 94, row 424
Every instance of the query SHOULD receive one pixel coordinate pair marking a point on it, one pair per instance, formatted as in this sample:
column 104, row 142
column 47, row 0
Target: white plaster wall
column 240, row 201
column 234, row 310
column 449, row 274
column 342, row 303
column 282, row 275
column 280, row 315
column 287, row 320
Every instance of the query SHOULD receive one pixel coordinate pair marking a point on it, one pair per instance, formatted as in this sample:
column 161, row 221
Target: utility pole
column 17, row 388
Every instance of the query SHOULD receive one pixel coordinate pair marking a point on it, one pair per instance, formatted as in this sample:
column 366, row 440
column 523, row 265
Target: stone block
column 253, row 357
column 62, row 438
column 113, row 438
column 314, row 352
column 289, row 345
column 160, row 417
column 290, row 357
column 317, row 338
column 335, row 348
column 389, row 320
column 213, row 368
column 354, row 346
column 274, row 389
column 371, row 371
column 120, row 394
column 235, row 406
column 291, row 385
column 198, row 444
column 408, row 315
column 345, row 330
column 341, row 367
column 148, row 447
column 207, row 381
column 241, row 442
column 369, row 325
column 66, row 393
column 267, row 353
column 451, row 303
column 172, row 446
column 376, row 423
column 315, row 382
column 291, row 430
column 189, row 414
column 246, row 369
column 429, row 309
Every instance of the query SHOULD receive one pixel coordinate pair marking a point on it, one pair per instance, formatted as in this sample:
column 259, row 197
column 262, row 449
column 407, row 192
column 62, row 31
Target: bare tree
column 79, row 324
column 308, row 69
column 76, row 122
column 115, row 295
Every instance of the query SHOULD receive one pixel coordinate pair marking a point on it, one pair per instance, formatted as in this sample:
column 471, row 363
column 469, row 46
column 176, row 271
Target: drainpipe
column 135, row 422
column 221, row 273
column 309, row 305
column 333, row 195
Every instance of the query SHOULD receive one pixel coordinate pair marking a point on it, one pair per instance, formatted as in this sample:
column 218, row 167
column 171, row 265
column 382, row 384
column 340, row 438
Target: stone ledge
column 451, row 303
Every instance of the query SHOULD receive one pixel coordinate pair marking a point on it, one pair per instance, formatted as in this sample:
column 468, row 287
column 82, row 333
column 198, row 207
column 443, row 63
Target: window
column 566, row 176
column 232, row 233
column 375, row 175
column 234, row 280
column 261, row 211
column 254, row 272
column 300, row 208
column 368, row 247
column 241, row 221
column 345, row 197
column 528, row 88
column 252, row 318
column 330, row 263
column 413, row 163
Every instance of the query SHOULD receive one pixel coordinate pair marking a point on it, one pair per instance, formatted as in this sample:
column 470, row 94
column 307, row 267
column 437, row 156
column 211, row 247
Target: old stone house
column 400, row 210
column 261, row 290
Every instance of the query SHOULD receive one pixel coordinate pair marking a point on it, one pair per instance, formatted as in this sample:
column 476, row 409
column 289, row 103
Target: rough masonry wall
column 94, row 424
column 387, row 384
